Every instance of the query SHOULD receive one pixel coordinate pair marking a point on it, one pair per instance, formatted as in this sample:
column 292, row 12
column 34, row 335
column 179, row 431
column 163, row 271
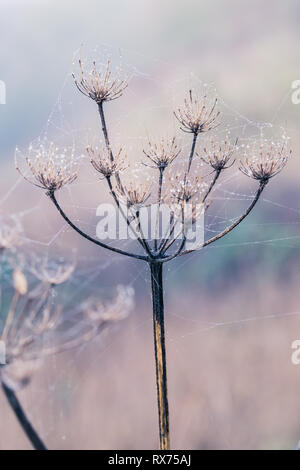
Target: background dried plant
column 35, row 325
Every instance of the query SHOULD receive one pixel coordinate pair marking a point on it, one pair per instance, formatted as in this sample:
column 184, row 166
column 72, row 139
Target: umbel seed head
column 51, row 167
column 184, row 188
column 98, row 83
column 163, row 153
column 102, row 161
column 135, row 194
column 198, row 115
column 218, row 154
column 52, row 271
column 264, row 160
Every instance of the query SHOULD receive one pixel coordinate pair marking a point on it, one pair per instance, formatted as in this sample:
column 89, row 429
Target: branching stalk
column 106, row 138
column 88, row 237
column 192, row 151
column 195, row 117
column 160, row 353
column 26, row 425
column 141, row 241
column 235, row 224
column 160, row 183
column 212, row 184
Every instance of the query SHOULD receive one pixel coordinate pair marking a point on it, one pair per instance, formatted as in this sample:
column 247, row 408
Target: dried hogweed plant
column 187, row 194
column 35, row 327
column 51, row 271
column 10, row 235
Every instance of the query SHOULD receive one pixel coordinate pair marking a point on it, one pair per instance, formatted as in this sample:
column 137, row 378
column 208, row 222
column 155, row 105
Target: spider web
column 143, row 112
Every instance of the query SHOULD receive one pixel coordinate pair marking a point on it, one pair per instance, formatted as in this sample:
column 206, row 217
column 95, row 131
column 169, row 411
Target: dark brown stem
column 192, row 152
column 24, row 422
column 106, row 138
column 166, row 244
column 217, row 174
column 166, row 240
column 104, row 129
column 160, row 353
column 143, row 237
column 170, row 243
column 160, row 182
column 91, row 239
column 141, row 241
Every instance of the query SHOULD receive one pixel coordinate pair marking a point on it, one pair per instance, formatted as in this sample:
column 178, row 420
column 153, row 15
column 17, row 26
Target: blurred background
column 232, row 310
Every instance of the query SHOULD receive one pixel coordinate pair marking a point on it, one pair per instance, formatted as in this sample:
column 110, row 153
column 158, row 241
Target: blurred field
column 232, row 311
column 231, row 387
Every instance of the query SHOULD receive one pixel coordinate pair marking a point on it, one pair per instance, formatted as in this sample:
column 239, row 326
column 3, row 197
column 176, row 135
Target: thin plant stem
column 24, row 422
column 169, row 243
column 195, row 136
column 143, row 237
column 160, row 183
column 235, row 224
column 88, row 237
column 160, row 353
column 107, row 141
column 10, row 316
column 141, row 241
column 212, row 184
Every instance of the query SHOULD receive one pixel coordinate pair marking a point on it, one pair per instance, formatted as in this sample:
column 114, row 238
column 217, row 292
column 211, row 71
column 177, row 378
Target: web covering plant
column 183, row 192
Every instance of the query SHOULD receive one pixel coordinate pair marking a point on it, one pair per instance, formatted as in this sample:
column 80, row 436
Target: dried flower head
column 103, row 163
column 185, row 188
column 24, row 351
column 197, row 115
column 264, row 160
column 218, row 155
column 28, row 317
column 51, row 167
column 98, row 84
column 9, row 234
column 36, row 328
column 20, row 282
column 118, row 309
column 135, row 194
column 163, row 153
column 52, row 271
